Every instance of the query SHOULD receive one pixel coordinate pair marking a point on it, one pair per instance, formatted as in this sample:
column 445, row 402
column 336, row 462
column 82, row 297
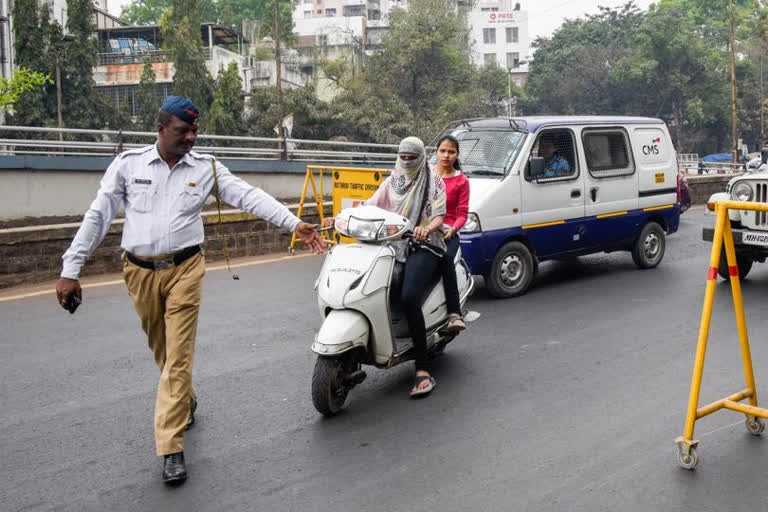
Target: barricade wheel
column 756, row 426
column 688, row 461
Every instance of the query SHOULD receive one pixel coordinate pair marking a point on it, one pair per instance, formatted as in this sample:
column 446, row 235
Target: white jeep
column 750, row 228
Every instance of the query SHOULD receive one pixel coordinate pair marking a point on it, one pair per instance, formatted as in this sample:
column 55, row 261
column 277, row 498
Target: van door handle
column 575, row 193
column 593, row 193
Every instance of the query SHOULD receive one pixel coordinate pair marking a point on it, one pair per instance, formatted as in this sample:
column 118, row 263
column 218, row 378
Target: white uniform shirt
column 162, row 205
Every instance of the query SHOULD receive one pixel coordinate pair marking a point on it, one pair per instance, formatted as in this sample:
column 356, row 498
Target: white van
column 610, row 184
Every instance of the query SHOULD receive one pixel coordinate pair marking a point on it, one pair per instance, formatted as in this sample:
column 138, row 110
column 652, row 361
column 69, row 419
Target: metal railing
column 79, row 142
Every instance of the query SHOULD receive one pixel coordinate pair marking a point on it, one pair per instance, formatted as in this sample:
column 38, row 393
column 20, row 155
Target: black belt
column 177, row 259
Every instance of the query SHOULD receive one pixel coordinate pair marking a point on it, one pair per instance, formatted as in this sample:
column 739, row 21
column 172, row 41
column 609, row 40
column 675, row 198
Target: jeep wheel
column 743, row 262
column 511, row 272
column 648, row 249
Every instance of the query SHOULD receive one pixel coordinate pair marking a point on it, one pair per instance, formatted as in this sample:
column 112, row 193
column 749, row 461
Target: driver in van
column 556, row 165
column 417, row 192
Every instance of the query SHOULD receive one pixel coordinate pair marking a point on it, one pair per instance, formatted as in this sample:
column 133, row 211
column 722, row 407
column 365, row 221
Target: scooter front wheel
column 329, row 391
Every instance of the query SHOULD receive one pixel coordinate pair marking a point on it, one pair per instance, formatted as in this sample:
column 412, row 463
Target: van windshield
column 486, row 152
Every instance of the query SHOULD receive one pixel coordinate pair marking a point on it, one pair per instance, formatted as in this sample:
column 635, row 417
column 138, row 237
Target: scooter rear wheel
column 329, row 391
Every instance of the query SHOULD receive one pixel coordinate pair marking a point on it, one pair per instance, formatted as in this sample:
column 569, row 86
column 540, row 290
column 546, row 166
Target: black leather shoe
column 174, row 469
column 191, row 420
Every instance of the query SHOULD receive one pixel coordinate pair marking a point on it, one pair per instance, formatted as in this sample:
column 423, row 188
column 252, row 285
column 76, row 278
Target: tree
column 226, row 115
column 22, row 82
column 571, row 71
column 180, row 26
column 423, row 57
column 149, row 12
column 225, row 12
column 81, row 106
column 146, row 116
column 31, row 29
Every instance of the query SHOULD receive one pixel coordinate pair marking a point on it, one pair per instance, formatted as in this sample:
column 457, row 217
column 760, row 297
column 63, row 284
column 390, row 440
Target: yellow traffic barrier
column 309, row 179
column 351, row 186
column 687, row 446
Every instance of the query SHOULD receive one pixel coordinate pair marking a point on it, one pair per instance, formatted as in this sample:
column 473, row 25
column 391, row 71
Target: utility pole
column 734, row 119
column 278, row 77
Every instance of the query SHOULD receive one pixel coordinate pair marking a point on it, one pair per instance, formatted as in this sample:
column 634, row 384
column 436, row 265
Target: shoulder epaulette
column 201, row 156
column 137, row 151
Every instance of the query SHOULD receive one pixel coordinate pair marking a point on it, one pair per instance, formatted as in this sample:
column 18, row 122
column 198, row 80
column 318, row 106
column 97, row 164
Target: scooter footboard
column 342, row 331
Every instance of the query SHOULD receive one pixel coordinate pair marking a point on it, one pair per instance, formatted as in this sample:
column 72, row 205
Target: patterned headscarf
column 403, row 191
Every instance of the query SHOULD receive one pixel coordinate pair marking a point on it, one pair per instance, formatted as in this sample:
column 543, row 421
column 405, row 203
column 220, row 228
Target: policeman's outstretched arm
column 92, row 231
column 257, row 202
column 310, row 236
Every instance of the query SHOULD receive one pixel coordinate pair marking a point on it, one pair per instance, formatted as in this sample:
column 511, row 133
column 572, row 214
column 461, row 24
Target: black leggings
column 448, row 270
column 419, row 269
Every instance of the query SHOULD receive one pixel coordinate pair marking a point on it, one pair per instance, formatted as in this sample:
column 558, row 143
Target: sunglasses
column 407, row 156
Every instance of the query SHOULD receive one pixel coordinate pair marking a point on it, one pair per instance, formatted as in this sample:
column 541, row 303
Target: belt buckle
column 162, row 264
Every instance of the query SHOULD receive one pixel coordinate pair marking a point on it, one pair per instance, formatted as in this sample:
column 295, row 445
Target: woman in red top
column 457, row 206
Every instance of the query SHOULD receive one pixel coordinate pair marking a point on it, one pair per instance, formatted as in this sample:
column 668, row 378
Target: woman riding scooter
column 417, row 193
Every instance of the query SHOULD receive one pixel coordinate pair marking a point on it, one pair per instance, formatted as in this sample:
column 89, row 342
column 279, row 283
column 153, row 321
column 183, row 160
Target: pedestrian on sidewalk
column 164, row 187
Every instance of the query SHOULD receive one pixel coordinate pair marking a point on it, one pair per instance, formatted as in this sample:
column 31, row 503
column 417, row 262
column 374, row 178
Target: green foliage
column 79, row 108
column 226, row 115
column 224, row 12
column 181, row 31
column 146, row 117
column 670, row 62
column 571, row 72
column 311, row 117
column 149, row 12
column 32, row 36
column 22, row 82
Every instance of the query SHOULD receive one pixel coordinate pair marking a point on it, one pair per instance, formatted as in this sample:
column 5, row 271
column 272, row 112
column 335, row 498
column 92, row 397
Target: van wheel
column 511, row 272
column 648, row 249
column 743, row 262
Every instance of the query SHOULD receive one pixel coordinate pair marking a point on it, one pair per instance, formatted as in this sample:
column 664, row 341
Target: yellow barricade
column 351, row 186
column 687, row 446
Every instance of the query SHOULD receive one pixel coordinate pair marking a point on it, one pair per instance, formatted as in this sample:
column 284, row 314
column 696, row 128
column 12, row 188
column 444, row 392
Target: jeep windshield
column 486, row 152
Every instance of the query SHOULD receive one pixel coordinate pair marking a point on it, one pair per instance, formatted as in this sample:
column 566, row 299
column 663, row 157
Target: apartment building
column 499, row 35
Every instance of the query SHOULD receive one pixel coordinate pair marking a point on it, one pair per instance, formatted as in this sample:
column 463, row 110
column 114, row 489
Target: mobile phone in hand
column 74, row 301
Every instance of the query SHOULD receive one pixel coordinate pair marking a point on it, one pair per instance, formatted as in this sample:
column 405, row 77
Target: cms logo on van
column 652, row 148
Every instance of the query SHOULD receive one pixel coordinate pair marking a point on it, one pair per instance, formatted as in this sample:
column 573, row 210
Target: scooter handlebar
column 437, row 251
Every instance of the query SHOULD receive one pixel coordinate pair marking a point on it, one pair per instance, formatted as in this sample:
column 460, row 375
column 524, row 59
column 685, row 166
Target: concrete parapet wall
column 701, row 187
column 65, row 186
column 33, row 254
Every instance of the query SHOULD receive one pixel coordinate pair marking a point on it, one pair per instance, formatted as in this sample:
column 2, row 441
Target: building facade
column 499, row 35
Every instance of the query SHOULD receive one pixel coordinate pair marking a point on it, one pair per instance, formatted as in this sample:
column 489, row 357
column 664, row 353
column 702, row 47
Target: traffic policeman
column 164, row 187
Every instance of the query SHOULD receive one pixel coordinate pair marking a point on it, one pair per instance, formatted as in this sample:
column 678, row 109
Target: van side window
column 607, row 153
column 557, row 148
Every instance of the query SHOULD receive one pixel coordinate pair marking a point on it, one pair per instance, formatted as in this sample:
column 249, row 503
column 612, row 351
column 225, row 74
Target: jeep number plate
column 755, row 238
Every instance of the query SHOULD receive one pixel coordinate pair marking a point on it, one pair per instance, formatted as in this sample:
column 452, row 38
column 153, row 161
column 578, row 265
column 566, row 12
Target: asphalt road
column 567, row 399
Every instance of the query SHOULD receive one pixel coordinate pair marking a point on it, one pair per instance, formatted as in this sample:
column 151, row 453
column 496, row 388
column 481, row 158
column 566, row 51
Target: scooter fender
column 342, row 331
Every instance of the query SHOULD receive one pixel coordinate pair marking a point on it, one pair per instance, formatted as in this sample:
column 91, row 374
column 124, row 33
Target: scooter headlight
column 742, row 191
column 363, row 229
column 340, row 225
column 389, row 231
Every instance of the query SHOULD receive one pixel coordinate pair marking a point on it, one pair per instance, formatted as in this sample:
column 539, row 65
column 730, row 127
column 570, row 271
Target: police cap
column 182, row 107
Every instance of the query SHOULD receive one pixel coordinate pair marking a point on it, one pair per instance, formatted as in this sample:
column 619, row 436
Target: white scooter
column 358, row 292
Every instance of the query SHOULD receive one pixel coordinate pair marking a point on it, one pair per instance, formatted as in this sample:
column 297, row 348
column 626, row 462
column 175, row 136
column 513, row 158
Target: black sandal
column 417, row 382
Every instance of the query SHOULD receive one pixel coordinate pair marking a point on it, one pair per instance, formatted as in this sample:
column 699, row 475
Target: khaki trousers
column 167, row 302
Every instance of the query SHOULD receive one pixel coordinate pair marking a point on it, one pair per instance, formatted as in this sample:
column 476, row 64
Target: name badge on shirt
column 142, row 182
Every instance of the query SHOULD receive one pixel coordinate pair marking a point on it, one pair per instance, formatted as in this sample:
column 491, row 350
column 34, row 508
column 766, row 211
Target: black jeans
column 420, row 267
column 448, row 271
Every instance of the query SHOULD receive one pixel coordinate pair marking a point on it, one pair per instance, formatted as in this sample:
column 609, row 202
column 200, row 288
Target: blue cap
column 181, row 107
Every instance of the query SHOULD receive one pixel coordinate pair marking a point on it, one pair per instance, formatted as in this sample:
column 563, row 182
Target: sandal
column 415, row 391
column 455, row 323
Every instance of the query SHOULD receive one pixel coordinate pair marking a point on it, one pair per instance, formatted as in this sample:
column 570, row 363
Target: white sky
column 544, row 16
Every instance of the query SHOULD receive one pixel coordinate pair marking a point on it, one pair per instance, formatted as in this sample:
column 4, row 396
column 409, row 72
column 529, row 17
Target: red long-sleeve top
column 457, row 200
